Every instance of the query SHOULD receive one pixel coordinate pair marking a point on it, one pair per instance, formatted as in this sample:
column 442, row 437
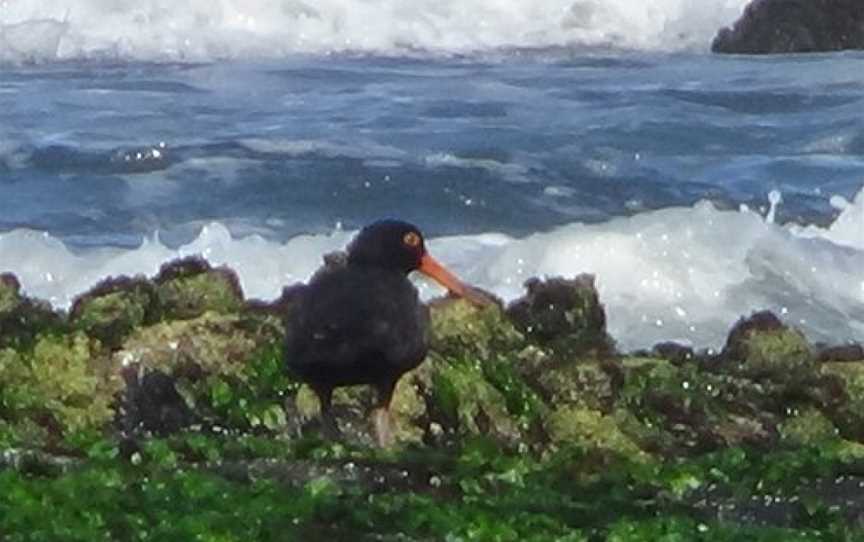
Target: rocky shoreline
column 159, row 408
column 794, row 26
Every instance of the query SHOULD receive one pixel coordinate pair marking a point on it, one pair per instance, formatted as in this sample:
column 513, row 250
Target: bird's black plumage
column 363, row 323
column 356, row 325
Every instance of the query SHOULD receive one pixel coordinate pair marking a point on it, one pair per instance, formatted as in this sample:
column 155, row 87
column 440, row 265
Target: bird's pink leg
column 381, row 418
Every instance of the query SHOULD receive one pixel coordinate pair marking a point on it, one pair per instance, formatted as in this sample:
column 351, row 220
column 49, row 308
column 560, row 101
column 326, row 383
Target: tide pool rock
column 460, row 329
column 563, row 314
column 848, row 414
column 794, row 26
column 594, row 431
column 10, row 292
column 112, row 309
column 225, row 367
column 190, row 287
column 763, row 346
column 62, row 386
column 211, row 343
column 23, row 319
column 150, row 402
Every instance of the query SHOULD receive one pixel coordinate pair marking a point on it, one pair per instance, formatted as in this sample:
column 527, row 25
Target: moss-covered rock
column 114, row 308
column 764, row 347
column 564, row 314
column 22, row 318
column 687, row 409
column 226, row 367
column 593, row 430
column 848, row 413
column 463, row 402
column 809, row 427
column 64, row 386
column 190, row 287
column 586, row 383
column 10, row 292
column 460, row 329
column 212, row 343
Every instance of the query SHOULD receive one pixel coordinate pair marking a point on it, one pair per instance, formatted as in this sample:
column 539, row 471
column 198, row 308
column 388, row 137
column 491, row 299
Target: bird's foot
column 383, row 427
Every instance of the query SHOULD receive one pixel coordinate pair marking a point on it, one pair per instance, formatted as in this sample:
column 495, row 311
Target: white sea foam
column 209, row 29
column 682, row 273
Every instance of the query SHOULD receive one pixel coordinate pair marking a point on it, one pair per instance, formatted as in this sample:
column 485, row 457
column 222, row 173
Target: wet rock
column 22, row 318
column 592, row 430
column 564, row 314
column 226, row 368
column 64, row 385
column 845, row 352
column 588, row 384
column 848, row 413
column 114, row 308
column 687, row 410
column 809, row 427
column 462, row 401
column 674, row 352
column 190, row 287
column 10, row 292
column 794, row 26
column 152, row 403
column 462, row 330
column 763, row 346
column 212, row 343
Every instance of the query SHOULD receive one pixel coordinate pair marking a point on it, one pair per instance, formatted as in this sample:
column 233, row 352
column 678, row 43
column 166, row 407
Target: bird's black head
column 399, row 246
column 388, row 244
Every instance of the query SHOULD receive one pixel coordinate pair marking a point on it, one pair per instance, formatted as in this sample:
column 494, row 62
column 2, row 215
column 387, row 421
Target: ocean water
column 525, row 138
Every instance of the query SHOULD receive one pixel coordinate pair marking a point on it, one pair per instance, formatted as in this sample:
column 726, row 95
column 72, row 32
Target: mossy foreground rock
column 159, row 401
column 10, row 292
column 63, row 387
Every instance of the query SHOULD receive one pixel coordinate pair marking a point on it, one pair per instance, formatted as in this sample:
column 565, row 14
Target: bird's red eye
column 411, row 239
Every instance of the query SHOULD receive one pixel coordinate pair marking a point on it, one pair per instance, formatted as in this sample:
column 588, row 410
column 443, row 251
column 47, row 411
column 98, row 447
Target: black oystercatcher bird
column 363, row 323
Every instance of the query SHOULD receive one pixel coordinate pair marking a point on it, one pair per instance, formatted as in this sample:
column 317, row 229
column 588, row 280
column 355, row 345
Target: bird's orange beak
column 430, row 267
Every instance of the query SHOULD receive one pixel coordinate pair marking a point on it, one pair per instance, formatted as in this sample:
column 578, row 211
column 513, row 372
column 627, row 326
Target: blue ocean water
column 696, row 188
column 517, row 142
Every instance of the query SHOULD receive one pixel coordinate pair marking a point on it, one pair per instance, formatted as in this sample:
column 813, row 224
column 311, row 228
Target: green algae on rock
column 22, row 318
column 10, row 292
column 190, row 287
column 112, row 309
column 848, row 413
column 592, row 430
column 808, row 427
column 225, row 366
column 765, row 347
column 565, row 314
column 63, row 386
column 505, row 434
column 460, row 329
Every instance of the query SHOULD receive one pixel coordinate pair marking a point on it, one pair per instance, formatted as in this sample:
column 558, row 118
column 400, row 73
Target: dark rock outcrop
column 564, row 314
column 22, row 318
column 763, row 346
column 112, row 309
column 794, row 26
column 151, row 402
